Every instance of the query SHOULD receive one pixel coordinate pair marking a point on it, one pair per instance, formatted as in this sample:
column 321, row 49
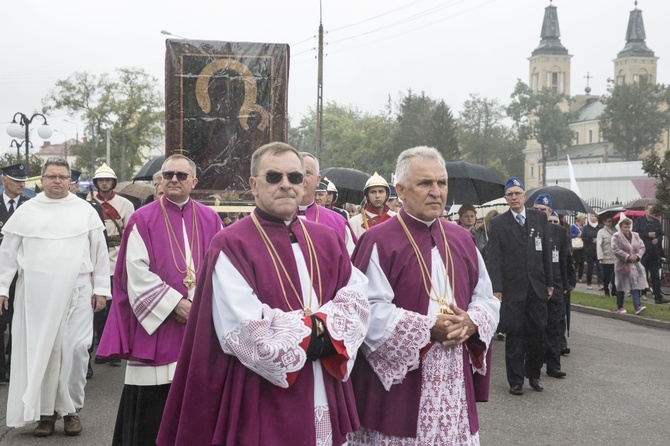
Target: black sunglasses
column 181, row 176
column 273, row 177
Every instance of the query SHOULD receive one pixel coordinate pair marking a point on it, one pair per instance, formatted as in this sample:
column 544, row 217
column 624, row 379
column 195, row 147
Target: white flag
column 573, row 181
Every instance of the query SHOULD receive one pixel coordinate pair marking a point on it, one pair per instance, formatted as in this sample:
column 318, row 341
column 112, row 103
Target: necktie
column 520, row 219
column 11, row 206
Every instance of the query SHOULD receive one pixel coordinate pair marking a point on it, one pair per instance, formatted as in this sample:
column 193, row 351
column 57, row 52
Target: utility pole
column 319, row 88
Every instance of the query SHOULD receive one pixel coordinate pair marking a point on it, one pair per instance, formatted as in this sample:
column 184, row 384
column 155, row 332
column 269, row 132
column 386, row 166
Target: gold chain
column 191, row 269
column 274, row 256
column 448, row 264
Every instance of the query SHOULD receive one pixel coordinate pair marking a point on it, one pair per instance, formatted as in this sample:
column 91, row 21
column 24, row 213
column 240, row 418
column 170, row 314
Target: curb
column 639, row 320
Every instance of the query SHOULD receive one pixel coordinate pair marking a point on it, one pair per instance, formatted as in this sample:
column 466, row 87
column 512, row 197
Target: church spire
column 550, row 35
column 635, row 37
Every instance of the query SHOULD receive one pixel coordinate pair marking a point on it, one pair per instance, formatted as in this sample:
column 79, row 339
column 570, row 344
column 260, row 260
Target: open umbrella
column 639, row 204
column 562, row 199
column 350, row 183
column 472, row 183
column 152, row 166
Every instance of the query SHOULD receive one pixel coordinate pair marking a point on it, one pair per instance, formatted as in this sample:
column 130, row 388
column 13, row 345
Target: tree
column 635, row 117
column 659, row 168
column 423, row 121
column 539, row 116
column 129, row 104
column 351, row 138
column 485, row 140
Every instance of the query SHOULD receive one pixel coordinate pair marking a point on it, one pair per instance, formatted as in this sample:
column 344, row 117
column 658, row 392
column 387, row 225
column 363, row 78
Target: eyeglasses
column 555, row 222
column 273, row 177
column 56, row 177
column 181, row 176
column 513, row 194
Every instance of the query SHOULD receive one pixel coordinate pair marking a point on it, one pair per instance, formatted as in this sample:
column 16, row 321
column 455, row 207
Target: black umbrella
column 152, row 166
column 472, row 184
column 350, row 183
column 562, row 199
column 639, row 204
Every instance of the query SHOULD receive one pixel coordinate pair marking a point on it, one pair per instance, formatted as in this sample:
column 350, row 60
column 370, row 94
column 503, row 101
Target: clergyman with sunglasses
column 63, row 278
column 161, row 255
column 280, row 317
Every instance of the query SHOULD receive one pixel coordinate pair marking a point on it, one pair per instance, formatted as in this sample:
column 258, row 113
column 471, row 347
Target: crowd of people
column 298, row 323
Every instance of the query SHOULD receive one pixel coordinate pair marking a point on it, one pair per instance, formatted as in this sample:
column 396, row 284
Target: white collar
column 181, row 205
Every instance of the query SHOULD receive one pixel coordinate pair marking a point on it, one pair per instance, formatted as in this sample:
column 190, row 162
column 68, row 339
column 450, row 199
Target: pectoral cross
column 444, row 308
column 189, row 280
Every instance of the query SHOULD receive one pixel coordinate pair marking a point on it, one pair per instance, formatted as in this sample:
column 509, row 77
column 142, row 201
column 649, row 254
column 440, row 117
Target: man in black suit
column 520, row 270
column 14, row 181
column 555, row 306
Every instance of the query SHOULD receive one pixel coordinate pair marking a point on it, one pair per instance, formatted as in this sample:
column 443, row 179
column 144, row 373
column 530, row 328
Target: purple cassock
column 378, row 409
column 214, row 398
column 124, row 337
column 330, row 218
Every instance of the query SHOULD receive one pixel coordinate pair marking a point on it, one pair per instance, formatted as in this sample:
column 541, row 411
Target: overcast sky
column 375, row 48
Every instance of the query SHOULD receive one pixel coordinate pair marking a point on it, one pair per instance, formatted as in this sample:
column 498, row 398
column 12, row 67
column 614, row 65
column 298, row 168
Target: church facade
column 596, row 165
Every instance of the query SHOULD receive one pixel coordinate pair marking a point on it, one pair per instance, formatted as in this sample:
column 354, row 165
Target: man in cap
column 332, row 199
column 321, row 194
column 267, row 359
column 162, row 250
column 309, row 210
column 432, row 318
column 558, row 239
column 116, row 211
column 519, row 256
column 375, row 211
column 55, row 242
column 393, row 203
column 14, row 181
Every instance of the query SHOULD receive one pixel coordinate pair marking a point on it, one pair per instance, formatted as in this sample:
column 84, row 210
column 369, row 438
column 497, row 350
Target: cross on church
column 588, row 77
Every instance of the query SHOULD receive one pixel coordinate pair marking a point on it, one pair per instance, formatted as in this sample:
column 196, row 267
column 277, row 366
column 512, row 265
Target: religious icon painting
column 223, row 101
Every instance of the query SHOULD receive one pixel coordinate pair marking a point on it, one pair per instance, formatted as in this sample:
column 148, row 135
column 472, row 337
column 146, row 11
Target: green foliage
column 485, row 140
column 540, row 116
column 634, row 119
column 129, row 104
column 423, row 121
column 33, row 168
column 659, row 168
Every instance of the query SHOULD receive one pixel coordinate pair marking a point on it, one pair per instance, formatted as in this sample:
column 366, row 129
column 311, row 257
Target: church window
column 576, row 138
column 535, row 82
column 590, row 136
column 621, row 79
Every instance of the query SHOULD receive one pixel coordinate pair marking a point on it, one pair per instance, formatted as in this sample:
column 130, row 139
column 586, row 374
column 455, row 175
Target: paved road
column 616, row 393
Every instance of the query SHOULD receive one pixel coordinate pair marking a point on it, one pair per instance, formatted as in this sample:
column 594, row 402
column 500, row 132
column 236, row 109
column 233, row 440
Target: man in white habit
column 56, row 244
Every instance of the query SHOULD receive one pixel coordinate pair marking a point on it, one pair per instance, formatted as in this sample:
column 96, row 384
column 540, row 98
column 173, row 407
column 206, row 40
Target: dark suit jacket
column 515, row 265
column 559, row 243
column 4, row 212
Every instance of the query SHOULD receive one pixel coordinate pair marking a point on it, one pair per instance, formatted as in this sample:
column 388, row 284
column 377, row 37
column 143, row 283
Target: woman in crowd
column 629, row 273
column 578, row 245
column 606, row 256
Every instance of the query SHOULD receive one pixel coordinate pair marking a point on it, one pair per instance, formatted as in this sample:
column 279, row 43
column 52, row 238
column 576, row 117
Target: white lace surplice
column 443, row 413
column 267, row 340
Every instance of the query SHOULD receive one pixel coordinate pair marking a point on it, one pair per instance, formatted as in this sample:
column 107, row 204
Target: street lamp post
column 76, row 138
column 18, row 146
column 21, row 129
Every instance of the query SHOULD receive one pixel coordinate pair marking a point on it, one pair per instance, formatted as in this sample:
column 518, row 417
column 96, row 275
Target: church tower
column 636, row 61
column 550, row 61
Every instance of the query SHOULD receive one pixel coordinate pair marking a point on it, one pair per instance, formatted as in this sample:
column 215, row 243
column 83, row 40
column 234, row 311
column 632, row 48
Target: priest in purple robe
column 161, row 253
column 275, row 329
column 309, row 210
column 426, row 357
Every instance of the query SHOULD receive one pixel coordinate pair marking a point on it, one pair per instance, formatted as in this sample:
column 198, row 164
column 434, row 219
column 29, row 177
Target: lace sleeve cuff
column 270, row 347
column 399, row 353
column 347, row 321
column 485, row 329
